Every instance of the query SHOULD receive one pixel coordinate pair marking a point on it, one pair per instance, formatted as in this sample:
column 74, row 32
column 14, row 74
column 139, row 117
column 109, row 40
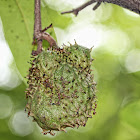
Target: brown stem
column 37, row 24
column 40, row 34
column 50, row 39
column 97, row 5
column 77, row 10
column 132, row 5
column 37, row 27
column 46, row 28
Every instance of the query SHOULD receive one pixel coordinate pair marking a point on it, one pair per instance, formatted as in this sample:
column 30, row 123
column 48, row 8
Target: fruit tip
column 75, row 42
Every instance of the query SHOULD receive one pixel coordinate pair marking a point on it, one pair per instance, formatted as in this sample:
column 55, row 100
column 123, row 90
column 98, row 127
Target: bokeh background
column 114, row 34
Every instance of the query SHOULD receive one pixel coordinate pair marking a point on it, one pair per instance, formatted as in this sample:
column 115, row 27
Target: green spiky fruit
column 61, row 90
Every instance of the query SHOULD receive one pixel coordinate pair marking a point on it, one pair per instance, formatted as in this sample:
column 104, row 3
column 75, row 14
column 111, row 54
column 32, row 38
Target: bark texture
column 40, row 34
column 132, row 5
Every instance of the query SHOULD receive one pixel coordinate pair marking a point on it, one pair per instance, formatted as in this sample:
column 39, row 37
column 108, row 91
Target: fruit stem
column 40, row 34
column 37, row 26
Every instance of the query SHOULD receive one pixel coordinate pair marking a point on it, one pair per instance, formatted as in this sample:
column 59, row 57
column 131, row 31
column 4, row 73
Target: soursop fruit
column 61, row 91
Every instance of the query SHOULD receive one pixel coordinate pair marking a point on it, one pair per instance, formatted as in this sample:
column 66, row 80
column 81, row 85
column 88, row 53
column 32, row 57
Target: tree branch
column 132, row 5
column 40, row 34
column 37, row 24
column 76, row 11
column 37, row 28
column 97, row 5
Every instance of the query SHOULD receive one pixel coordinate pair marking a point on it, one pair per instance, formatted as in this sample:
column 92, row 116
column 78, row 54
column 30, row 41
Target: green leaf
column 18, row 32
column 58, row 20
column 131, row 115
column 18, row 22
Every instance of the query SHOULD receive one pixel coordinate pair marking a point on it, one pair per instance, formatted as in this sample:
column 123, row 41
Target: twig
column 77, row 10
column 132, row 5
column 50, row 39
column 40, row 34
column 97, row 5
column 45, row 29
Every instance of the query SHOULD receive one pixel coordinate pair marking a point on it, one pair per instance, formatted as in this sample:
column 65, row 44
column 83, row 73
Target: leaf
column 18, row 23
column 131, row 115
column 58, row 20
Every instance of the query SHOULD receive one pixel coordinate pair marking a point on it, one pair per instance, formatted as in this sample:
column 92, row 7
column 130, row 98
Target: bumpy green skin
column 61, row 90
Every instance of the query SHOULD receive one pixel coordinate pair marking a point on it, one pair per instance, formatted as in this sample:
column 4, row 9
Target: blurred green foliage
column 118, row 91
